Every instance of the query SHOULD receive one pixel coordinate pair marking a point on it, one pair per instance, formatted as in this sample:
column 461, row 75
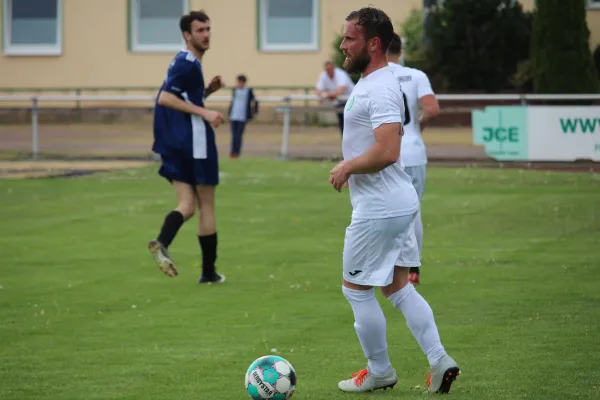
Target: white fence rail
column 296, row 97
column 285, row 105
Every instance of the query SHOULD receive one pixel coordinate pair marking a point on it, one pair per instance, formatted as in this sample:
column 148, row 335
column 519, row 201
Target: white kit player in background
column 380, row 242
column 417, row 90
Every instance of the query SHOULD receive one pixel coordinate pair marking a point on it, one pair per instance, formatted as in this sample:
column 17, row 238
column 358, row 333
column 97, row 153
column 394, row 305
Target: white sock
column 370, row 326
column 420, row 321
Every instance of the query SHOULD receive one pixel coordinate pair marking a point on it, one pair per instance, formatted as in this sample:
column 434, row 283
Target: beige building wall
column 95, row 47
column 234, row 54
column 96, row 54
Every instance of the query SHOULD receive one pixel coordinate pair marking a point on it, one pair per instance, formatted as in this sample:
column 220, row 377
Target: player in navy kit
column 185, row 140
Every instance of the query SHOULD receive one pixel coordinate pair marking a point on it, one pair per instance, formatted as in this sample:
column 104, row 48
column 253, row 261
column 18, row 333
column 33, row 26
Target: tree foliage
column 412, row 35
column 597, row 60
column 338, row 56
column 562, row 60
column 477, row 45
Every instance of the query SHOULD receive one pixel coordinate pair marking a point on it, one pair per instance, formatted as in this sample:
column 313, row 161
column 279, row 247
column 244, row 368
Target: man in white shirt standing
column 417, row 90
column 332, row 83
column 380, row 243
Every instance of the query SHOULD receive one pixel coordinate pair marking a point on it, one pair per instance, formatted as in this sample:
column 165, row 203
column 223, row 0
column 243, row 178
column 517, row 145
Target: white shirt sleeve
column 386, row 106
column 423, row 85
column 321, row 82
column 342, row 78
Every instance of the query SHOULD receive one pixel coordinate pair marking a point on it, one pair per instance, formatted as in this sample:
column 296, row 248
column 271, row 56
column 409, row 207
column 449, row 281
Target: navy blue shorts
column 189, row 170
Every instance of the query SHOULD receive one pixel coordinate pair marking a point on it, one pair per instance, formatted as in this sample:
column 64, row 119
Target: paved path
column 259, row 140
column 128, row 146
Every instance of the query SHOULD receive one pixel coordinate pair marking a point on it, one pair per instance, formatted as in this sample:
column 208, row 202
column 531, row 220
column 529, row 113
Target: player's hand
column 215, row 118
column 338, row 176
column 422, row 124
column 216, row 83
column 332, row 96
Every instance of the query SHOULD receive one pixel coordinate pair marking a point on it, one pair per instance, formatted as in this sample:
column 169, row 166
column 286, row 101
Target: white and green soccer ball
column 271, row 377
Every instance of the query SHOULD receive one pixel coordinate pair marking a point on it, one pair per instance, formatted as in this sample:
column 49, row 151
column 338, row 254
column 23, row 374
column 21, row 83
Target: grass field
column 511, row 270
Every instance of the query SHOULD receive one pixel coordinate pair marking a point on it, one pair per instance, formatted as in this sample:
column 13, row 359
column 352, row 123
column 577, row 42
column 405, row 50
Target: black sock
column 208, row 245
column 173, row 222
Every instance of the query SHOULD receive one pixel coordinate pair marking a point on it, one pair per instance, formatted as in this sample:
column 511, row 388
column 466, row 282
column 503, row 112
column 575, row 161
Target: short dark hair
column 185, row 22
column 375, row 23
column 242, row 78
column 395, row 46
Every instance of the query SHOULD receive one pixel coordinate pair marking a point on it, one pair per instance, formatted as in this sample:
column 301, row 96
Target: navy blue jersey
column 176, row 131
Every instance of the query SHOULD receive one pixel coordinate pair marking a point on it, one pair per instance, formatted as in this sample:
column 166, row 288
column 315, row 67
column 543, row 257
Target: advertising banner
column 538, row 133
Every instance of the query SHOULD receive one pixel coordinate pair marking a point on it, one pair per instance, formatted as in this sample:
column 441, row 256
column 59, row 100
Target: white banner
column 538, row 133
column 564, row 133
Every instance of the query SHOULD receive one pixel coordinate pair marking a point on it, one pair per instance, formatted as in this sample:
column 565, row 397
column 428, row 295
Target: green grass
column 511, row 271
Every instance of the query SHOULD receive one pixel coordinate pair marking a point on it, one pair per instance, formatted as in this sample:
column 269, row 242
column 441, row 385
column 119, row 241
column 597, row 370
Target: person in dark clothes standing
column 185, row 140
column 241, row 110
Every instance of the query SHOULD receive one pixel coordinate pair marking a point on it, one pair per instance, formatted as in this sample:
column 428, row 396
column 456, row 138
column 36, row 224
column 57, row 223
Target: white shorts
column 417, row 175
column 372, row 247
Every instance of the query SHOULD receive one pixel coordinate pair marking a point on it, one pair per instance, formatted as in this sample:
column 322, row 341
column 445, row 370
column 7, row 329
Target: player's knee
column 397, row 297
column 400, row 281
column 358, row 296
column 388, row 291
column 206, row 208
column 186, row 208
column 205, row 195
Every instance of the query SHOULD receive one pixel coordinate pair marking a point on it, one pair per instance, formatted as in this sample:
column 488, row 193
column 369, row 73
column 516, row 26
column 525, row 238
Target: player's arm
column 430, row 107
column 386, row 108
column 167, row 99
column 208, row 91
column 215, row 84
column 427, row 99
column 178, row 81
column 382, row 154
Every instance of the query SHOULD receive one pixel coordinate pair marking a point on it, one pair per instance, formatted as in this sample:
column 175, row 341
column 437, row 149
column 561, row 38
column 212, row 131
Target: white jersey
column 415, row 85
column 376, row 100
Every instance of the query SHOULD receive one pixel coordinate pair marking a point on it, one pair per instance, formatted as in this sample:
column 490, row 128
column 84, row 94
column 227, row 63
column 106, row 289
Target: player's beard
column 358, row 63
column 200, row 47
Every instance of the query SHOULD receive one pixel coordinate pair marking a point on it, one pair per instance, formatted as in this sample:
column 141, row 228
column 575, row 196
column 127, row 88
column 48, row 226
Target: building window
column 32, row 27
column 594, row 3
column 154, row 24
column 288, row 25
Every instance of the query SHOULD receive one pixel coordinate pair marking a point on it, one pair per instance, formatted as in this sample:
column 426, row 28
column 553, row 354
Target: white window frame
column 30, row 49
column 594, row 4
column 135, row 46
column 267, row 47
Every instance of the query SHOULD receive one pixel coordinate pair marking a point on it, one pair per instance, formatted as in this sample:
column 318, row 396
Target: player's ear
column 376, row 43
column 373, row 43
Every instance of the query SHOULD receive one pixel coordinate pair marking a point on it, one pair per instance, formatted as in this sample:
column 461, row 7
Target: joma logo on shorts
column 355, row 272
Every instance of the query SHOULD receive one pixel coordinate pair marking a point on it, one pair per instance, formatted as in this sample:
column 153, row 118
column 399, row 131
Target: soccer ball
column 270, row 377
